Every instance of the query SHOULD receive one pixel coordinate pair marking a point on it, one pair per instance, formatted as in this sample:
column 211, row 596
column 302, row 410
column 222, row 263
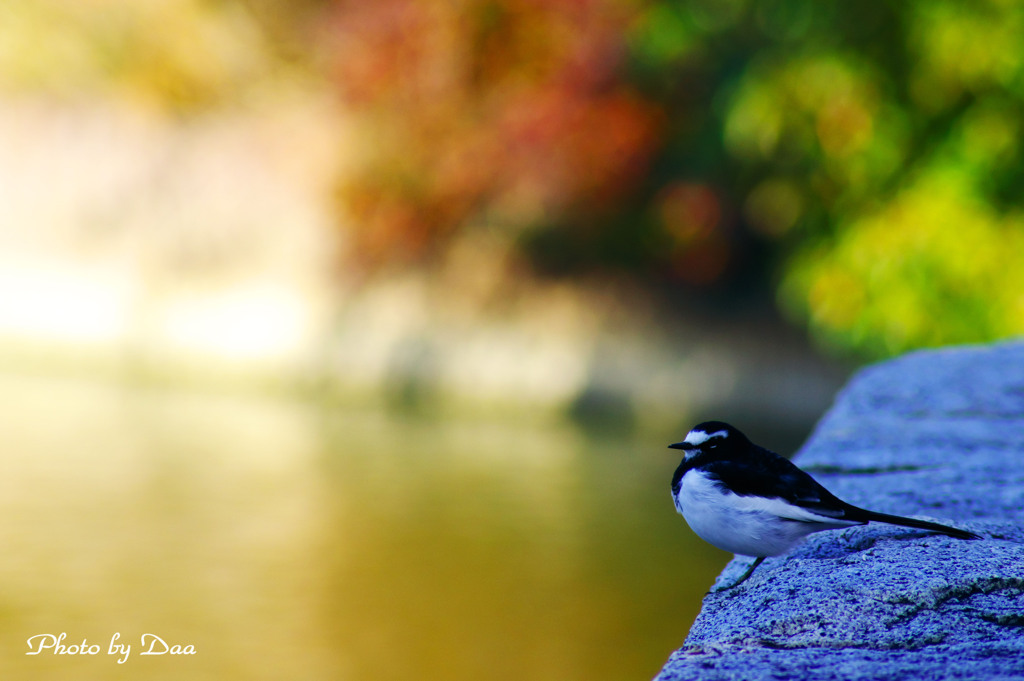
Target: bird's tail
column 917, row 524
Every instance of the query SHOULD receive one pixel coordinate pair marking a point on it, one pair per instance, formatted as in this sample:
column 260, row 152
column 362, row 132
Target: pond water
column 290, row 539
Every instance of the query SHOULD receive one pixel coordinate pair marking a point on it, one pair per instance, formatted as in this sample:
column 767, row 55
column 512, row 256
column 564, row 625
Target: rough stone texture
column 938, row 435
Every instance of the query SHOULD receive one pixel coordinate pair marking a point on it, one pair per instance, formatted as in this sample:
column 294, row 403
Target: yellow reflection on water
column 194, row 518
column 288, row 539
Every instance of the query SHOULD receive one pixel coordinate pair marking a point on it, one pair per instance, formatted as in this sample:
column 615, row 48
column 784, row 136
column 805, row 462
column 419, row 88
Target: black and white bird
column 750, row 501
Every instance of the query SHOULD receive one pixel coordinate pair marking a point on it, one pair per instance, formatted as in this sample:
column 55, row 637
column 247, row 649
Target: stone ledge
column 937, row 435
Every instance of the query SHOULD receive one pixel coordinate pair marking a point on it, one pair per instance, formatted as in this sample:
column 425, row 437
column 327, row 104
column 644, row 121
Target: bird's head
column 710, row 436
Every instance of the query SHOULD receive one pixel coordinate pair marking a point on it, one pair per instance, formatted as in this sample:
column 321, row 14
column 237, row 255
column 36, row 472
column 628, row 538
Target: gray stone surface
column 937, row 435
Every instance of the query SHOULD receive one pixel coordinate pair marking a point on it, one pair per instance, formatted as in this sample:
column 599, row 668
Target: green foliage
column 935, row 264
column 861, row 159
column 867, row 151
column 913, row 165
column 876, row 147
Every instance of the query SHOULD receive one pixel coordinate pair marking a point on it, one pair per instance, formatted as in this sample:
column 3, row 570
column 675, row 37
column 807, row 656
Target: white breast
column 746, row 525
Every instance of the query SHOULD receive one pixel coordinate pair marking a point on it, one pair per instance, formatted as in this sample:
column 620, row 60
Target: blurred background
column 343, row 340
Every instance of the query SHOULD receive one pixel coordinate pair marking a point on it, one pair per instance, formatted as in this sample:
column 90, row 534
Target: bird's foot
column 743, row 577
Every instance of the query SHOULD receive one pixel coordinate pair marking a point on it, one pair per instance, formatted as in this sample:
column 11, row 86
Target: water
column 290, row 539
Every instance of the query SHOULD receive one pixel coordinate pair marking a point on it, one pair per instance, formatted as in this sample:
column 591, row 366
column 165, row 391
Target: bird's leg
column 750, row 571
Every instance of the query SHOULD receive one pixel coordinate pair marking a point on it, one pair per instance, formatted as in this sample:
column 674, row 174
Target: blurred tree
column 863, row 156
column 891, row 156
column 861, row 160
column 513, row 113
column 180, row 55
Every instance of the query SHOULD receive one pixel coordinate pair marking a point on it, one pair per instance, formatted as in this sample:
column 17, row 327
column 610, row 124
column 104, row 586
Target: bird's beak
column 681, row 445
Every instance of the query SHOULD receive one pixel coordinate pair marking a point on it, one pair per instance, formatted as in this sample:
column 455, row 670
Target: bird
column 750, row 501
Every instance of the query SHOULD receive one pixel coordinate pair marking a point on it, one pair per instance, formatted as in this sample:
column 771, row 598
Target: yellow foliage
column 935, row 265
column 178, row 54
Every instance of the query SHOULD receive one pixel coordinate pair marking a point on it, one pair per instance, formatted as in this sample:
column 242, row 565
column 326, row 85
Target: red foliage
column 510, row 111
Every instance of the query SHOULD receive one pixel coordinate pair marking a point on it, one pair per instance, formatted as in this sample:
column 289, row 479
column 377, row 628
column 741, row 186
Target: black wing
column 760, row 472
column 763, row 473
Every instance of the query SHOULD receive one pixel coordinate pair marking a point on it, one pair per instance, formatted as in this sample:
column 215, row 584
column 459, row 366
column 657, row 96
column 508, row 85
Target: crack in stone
column 773, row 644
column 941, row 596
column 829, row 469
column 1008, row 619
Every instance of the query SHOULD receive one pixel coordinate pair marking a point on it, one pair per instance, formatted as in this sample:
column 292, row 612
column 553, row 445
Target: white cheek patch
column 699, row 437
